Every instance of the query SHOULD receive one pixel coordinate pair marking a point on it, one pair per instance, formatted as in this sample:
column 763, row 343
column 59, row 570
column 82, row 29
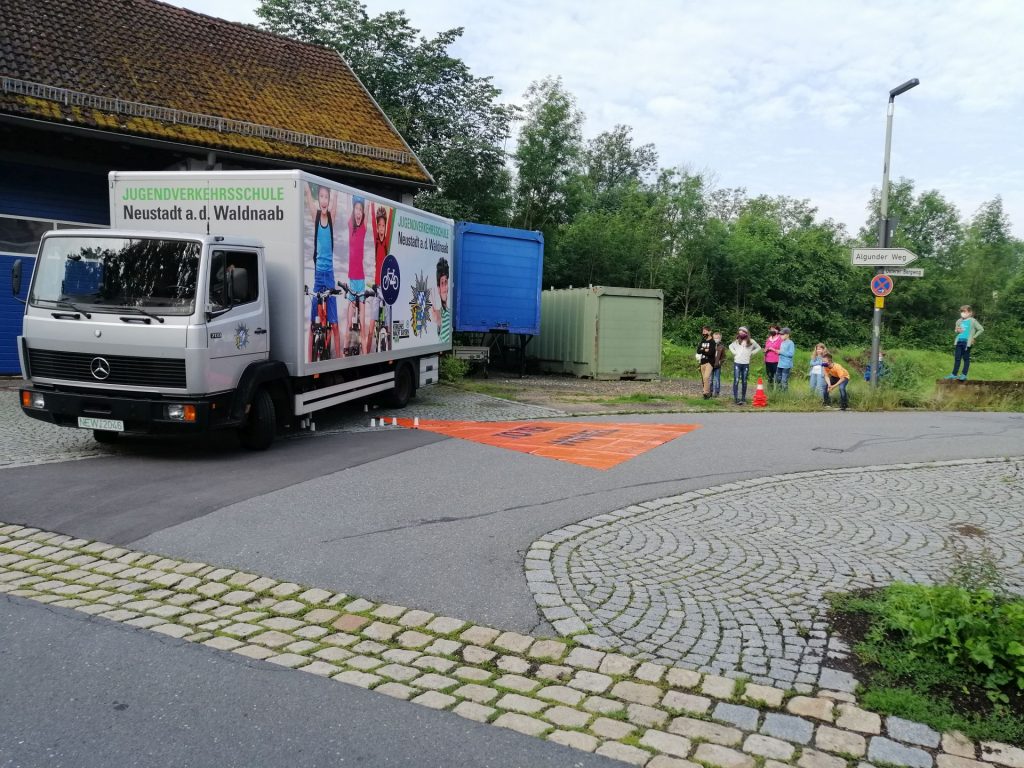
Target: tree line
column 612, row 216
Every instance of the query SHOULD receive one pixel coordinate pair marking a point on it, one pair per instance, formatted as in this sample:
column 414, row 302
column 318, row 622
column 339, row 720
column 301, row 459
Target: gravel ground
column 588, row 396
column 25, row 441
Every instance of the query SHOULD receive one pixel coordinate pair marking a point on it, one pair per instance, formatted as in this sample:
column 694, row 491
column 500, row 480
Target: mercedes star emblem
column 100, row 368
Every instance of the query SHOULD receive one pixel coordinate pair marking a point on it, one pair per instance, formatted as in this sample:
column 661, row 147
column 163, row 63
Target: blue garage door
column 34, row 199
column 11, row 312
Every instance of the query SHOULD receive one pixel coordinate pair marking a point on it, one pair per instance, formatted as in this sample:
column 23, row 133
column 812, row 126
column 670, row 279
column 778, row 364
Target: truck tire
column 104, row 436
column 258, row 432
column 404, row 387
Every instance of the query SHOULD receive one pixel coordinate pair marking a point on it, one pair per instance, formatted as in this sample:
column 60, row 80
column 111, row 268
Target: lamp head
column 913, row 82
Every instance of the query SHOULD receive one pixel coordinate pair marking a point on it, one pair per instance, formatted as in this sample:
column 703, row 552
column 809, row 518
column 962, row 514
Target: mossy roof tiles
column 151, row 53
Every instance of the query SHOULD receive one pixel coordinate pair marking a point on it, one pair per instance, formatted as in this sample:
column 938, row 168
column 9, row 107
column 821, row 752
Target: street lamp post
column 884, row 226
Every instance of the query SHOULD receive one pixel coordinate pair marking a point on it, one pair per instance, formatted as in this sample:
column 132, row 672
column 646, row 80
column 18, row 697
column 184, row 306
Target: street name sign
column 882, row 257
column 905, row 272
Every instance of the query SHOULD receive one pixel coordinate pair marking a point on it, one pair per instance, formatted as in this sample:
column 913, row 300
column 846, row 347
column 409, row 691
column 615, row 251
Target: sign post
column 888, row 263
column 885, row 224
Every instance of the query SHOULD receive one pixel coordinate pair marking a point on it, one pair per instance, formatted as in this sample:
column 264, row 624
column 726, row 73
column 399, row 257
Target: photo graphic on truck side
column 367, row 244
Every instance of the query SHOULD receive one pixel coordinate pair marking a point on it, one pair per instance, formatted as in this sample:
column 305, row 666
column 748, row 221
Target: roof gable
column 144, row 52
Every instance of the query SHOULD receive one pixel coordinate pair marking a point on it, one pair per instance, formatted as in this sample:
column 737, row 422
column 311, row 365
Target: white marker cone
column 373, row 422
column 416, row 422
column 394, row 421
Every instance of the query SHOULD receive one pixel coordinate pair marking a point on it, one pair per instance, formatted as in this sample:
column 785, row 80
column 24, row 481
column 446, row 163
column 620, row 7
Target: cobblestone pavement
column 641, row 713
column 731, row 580
column 25, row 441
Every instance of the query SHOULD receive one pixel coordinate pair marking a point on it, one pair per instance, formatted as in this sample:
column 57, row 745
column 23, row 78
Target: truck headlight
column 33, row 399
column 181, row 412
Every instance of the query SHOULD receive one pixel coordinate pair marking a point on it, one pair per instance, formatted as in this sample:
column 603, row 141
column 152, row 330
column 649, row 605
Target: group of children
column 826, row 375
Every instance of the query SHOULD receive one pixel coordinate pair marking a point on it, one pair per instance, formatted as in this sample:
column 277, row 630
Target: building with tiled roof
column 91, row 86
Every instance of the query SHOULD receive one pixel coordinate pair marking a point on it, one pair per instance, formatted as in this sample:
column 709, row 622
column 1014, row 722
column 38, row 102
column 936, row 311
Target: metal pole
column 883, row 242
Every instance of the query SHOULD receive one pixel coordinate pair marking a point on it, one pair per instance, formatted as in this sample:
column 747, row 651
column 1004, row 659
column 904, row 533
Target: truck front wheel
column 258, row 432
column 404, row 387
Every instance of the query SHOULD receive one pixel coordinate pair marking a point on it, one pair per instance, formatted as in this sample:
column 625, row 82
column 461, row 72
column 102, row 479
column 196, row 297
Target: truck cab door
column 238, row 327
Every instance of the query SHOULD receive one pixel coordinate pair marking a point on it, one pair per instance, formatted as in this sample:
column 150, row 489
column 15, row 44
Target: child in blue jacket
column 787, row 351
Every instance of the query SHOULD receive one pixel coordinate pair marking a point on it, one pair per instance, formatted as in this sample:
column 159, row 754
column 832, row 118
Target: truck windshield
column 110, row 273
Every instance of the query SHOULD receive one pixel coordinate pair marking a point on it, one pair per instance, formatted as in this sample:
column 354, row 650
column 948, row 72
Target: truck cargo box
column 405, row 251
column 499, row 279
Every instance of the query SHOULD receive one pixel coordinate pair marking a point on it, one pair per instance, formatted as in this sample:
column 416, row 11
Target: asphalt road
column 81, row 692
column 156, row 484
column 441, row 524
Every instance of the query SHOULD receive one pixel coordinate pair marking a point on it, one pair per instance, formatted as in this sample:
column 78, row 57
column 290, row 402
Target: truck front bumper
column 137, row 414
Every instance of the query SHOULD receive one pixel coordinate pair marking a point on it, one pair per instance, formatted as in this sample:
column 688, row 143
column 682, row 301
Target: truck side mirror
column 238, row 285
column 16, row 280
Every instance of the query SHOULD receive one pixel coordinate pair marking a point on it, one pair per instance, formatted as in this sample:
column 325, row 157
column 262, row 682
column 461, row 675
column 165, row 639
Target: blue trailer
column 497, row 293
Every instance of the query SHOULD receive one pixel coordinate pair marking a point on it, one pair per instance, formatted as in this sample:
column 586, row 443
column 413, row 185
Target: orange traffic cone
column 760, row 398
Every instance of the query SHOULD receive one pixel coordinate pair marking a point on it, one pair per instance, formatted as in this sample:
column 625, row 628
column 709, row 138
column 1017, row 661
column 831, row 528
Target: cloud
column 769, row 94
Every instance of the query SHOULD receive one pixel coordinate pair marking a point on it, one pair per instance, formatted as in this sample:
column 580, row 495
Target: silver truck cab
column 143, row 331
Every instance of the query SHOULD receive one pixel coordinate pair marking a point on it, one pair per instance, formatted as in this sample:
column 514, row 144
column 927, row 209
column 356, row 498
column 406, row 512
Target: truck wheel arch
column 271, row 375
column 405, row 385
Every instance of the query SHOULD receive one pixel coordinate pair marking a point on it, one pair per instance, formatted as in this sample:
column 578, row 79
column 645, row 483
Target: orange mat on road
column 598, row 445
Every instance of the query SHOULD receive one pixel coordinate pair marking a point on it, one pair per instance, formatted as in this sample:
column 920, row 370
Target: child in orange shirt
column 835, row 376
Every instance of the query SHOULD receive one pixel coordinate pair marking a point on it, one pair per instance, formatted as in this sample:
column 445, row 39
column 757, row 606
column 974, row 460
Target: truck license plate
column 112, row 425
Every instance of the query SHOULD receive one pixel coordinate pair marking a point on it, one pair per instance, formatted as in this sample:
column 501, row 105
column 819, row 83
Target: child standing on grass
column 706, row 359
column 716, row 371
column 817, row 375
column 743, row 348
column 787, row 351
column 835, row 377
column 967, row 330
column 771, row 354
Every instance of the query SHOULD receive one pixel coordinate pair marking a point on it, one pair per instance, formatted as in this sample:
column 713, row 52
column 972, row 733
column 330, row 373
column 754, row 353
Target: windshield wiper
column 141, row 312
column 70, row 305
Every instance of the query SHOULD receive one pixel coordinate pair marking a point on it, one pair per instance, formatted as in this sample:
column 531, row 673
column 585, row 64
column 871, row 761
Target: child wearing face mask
column 716, row 370
column 706, row 359
column 967, row 329
column 771, row 354
column 743, row 348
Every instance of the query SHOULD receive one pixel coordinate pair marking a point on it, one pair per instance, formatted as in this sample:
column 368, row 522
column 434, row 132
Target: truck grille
column 159, row 372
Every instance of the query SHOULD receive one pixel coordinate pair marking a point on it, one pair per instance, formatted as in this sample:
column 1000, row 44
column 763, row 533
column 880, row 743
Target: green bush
column 453, row 368
column 902, row 372
column 961, row 627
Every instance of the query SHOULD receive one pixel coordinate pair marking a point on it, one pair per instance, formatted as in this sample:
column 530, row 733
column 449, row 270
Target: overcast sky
column 781, row 97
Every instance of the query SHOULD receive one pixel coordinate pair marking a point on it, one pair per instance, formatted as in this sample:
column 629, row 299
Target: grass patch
column 644, row 397
column 949, row 656
column 909, row 381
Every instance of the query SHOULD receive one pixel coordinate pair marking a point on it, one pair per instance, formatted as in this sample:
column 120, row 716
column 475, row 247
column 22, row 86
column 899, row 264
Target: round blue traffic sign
column 881, row 285
column 390, row 279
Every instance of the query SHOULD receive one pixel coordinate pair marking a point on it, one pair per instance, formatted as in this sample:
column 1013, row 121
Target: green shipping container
column 600, row 333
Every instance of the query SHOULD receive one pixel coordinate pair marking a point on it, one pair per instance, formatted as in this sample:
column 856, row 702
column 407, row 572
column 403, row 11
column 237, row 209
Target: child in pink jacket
column 771, row 354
